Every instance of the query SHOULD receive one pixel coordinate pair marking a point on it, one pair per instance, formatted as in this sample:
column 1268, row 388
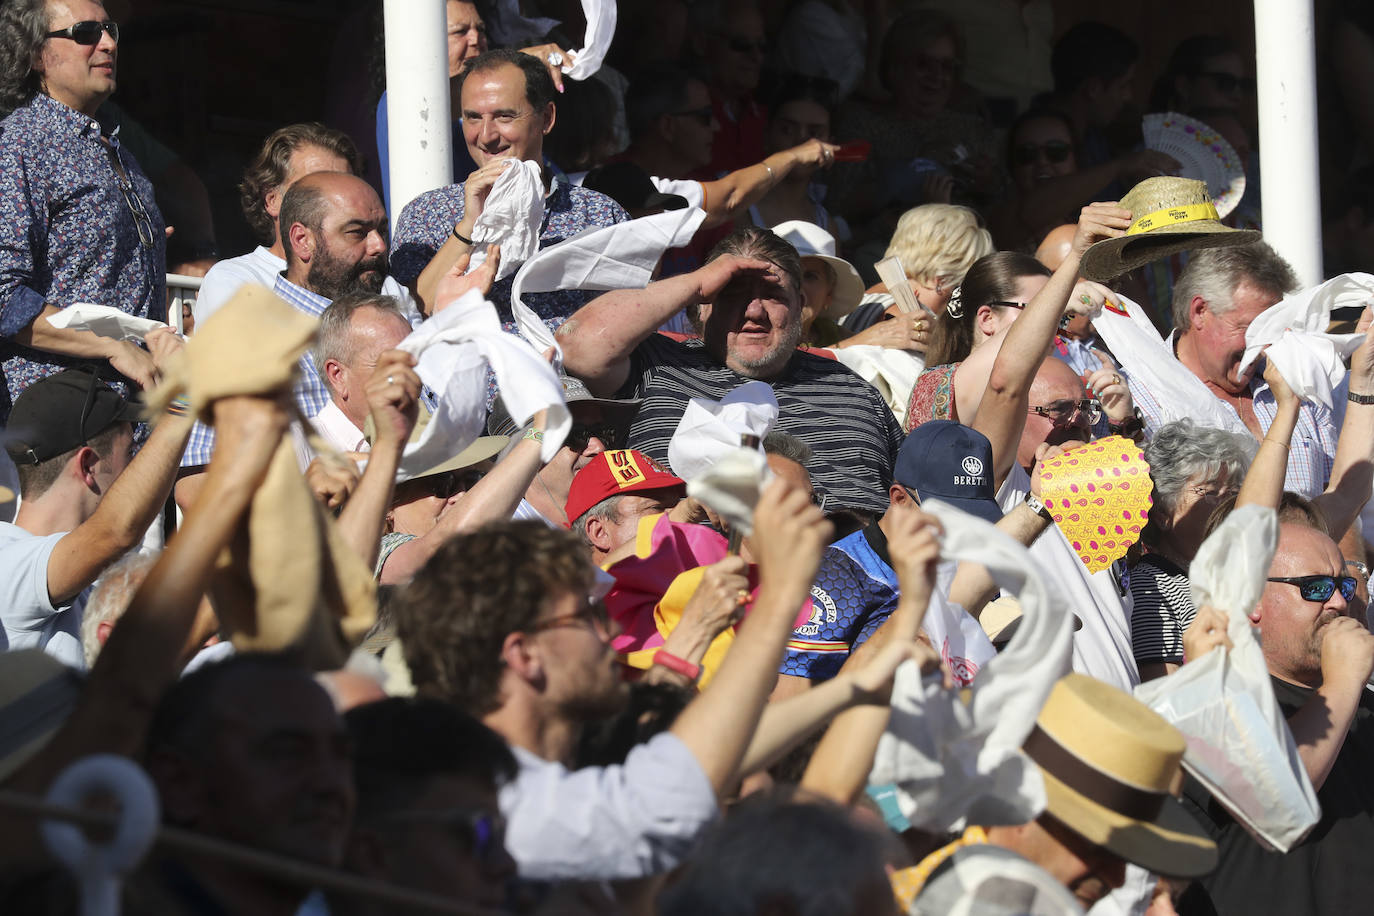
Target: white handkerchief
column 105, row 320
column 511, row 218
column 622, row 256
column 958, row 763
column 709, row 430
column 731, row 486
column 600, row 16
column 1311, row 361
column 454, row 349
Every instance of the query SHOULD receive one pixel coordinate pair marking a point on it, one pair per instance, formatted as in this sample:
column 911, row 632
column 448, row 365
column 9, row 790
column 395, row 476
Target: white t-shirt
column 262, row 266
column 29, row 617
column 1102, row 647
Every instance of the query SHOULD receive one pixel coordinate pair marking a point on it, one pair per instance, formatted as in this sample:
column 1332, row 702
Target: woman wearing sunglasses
column 79, row 220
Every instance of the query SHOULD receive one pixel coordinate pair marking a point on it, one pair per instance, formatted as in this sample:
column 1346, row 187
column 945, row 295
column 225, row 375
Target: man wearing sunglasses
column 78, row 222
column 1319, row 660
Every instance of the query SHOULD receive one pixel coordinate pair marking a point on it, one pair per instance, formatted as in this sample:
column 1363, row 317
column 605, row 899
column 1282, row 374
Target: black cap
column 62, row 412
column 630, row 186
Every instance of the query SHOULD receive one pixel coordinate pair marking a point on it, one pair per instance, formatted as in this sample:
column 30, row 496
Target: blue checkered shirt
column 312, row 394
column 1311, row 453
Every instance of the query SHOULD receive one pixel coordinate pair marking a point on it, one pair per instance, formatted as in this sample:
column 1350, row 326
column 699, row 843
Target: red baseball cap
column 613, row 473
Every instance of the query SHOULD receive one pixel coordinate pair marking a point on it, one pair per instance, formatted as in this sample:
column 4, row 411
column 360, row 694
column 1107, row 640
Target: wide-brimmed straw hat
column 1168, row 215
column 1109, row 762
column 811, row 241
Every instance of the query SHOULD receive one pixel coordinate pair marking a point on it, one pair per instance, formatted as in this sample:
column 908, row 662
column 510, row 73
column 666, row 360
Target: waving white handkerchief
column 957, row 763
column 511, row 218
column 622, row 256
column 1151, row 365
column 453, row 350
column 1311, row 360
column 709, row 430
column 731, row 486
column 105, row 320
column 600, row 16
column 1239, row 743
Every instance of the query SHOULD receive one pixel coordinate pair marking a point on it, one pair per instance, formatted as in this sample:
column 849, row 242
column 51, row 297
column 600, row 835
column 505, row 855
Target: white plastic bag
column 1239, row 744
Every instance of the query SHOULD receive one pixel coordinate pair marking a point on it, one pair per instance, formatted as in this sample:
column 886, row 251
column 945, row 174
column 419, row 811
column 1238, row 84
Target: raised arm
column 1002, row 411
column 717, row 727
column 598, row 339
column 734, row 193
column 476, row 189
column 1352, row 473
column 1263, row 485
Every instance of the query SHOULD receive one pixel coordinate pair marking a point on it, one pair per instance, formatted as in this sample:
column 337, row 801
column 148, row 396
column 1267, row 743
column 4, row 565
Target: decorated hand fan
column 1204, row 154
column 1100, row 497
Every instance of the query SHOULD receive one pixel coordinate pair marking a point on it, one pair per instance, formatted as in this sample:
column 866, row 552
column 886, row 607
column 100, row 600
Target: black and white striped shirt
column 1162, row 608
column 851, row 432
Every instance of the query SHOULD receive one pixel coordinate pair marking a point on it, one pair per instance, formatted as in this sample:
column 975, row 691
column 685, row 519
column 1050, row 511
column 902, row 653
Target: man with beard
column 750, row 299
column 334, row 234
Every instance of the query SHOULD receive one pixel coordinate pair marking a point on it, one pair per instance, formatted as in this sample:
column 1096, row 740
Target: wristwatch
column 1035, row 505
column 1131, row 427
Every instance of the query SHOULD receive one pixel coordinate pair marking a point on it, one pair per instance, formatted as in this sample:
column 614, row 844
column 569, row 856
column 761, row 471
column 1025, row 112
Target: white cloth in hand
column 957, row 763
column 705, row 450
column 1311, row 361
column 454, row 349
column 511, row 218
column 104, row 320
column 600, row 16
column 731, row 486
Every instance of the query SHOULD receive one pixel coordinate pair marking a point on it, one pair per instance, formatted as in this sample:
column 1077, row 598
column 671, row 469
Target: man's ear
column 1196, row 308
column 521, row 657
column 897, row 494
column 83, row 464
column 271, row 202
column 333, row 371
column 599, row 534
column 301, row 241
column 550, row 115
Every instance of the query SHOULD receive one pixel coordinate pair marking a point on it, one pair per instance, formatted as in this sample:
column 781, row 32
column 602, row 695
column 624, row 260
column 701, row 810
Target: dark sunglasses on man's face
column 1056, row 151
column 582, row 434
column 1228, row 83
column 1319, row 588
column 88, row 32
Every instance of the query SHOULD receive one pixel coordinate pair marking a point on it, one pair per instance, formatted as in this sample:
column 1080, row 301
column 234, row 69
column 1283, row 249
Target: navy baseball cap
column 950, row 462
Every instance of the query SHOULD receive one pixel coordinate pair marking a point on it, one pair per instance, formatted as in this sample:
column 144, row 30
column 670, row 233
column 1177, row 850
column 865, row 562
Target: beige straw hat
column 1109, row 763
column 1168, row 215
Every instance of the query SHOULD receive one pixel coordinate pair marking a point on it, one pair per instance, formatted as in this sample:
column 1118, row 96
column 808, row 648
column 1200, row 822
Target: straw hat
column 1168, row 215
column 1109, row 762
column 811, row 241
column 480, row 450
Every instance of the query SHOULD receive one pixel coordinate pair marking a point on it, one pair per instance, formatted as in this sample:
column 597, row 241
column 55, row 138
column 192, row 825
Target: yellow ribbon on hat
column 1170, row 216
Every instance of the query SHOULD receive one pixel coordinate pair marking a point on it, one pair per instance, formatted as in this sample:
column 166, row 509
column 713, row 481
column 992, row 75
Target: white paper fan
column 1204, row 155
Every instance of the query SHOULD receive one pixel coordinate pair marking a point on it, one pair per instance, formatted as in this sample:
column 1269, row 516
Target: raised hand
column 1205, row 633
column 459, row 280
column 393, row 397
column 1097, row 222
column 715, row 276
column 1107, row 385
column 332, row 480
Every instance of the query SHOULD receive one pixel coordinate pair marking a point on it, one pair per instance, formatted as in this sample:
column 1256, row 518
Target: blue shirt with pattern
column 68, row 233
column 311, row 392
column 854, row 593
column 428, row 220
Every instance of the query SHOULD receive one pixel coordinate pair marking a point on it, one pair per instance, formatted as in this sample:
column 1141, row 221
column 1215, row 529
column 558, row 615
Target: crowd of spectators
column 555, row 673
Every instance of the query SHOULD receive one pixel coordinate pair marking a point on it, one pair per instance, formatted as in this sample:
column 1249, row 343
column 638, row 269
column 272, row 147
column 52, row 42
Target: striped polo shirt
column 852, row 433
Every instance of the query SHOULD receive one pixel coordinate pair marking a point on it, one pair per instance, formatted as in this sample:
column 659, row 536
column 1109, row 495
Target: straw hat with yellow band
column 1168, row 215
column 1110, row 764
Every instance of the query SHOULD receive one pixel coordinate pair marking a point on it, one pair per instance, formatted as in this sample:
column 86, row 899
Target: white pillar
column 1286, row 77
column 419, row 130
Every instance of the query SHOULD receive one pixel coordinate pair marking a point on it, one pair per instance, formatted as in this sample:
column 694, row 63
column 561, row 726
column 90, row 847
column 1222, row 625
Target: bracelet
column 1034, row 504
column 179, row 406
column 1360, row 398
column 536, row 434
column 771, row 176
column 679, row 665
column 1277, row 442
column 465, row 241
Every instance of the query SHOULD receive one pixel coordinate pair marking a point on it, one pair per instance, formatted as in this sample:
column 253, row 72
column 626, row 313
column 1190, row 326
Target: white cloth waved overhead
column 1150, row 363
column 706, row 452
column 622, row 256
column 454, row 349
column 1239, row 743
column 732, row 485
column 1311, row 360
column 511, row 218
column 600, row 16
column 104, row 320
column 892, row 372
column 959, row 763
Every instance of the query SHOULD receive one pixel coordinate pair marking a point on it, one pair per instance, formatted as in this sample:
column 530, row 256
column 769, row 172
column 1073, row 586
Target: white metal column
column 1286, row 77
column 419, row 123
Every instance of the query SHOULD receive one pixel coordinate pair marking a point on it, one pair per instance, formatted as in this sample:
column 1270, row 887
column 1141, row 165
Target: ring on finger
column 390, row 379
column 1085, row 299
column 555, row 59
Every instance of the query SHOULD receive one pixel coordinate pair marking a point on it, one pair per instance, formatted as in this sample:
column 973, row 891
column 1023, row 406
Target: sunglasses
column 88, row 32
column 446, row 486
column 592, row 615
column 703, row 115
column 1056, row 151
column 747, row 45
column 1227, row 83
column 481, row 832
column 582, row 433
column 1319, row 588
column 1063, row 413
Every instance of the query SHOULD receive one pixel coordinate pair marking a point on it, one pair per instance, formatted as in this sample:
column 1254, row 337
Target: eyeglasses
column 1063, row 413
column 1204, row 494
column 88, row 32
column 1009, row 305
column 1228, row 83
column 483, row 833
column 592, row 615
column 581, row 435
column 1319, row 588
column 142, row 221
column 1056, row 151
column 741, row 45
column 703, row 115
